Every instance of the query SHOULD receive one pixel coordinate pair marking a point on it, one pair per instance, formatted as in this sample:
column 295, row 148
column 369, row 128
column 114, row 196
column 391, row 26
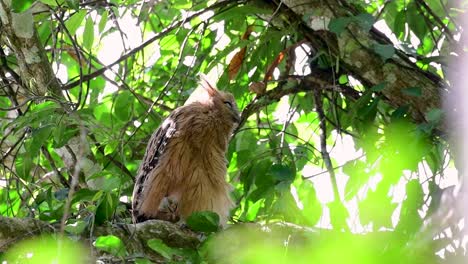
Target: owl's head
column 220, row 101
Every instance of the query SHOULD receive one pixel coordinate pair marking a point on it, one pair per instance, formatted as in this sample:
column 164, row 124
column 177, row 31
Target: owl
column 184, row 167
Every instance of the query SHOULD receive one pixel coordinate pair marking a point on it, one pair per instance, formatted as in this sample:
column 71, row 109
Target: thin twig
column 323, row 142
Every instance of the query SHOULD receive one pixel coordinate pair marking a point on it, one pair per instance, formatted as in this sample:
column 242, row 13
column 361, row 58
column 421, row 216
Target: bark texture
column 354, row 50
column 19, row 34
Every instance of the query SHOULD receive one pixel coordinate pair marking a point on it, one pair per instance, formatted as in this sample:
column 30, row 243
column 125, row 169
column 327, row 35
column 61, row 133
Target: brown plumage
column 184, row 167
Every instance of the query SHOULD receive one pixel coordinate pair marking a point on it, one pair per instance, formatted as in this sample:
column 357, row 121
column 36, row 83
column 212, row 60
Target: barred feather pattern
column 184, row 167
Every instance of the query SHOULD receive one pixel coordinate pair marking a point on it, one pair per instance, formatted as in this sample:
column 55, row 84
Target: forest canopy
column 344, row 145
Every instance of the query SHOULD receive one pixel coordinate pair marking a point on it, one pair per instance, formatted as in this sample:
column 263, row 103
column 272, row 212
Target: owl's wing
column 154, row 151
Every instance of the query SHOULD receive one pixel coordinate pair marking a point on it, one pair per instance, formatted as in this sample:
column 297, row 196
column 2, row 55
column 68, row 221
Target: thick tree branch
column 13, row 230
column 353, row 49
column 20, row 35
column 314, row 81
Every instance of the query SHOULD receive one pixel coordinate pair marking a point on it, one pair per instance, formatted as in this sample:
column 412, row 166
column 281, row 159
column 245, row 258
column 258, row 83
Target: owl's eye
column 229, row 104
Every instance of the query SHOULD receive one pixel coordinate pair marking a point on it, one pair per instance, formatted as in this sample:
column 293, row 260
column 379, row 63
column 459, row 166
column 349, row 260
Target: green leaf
column 123, row 106
column 111, row 183
column 38, row 138
column 75, row 4
column 343, row 79
column 23, row 166
column 111, row 244
column 416, row 21
column 103, row 21
column 400, row 112
column 356, row 170
column 282, row 173
column 83, row 195
column 74, row 22
column 338, row 214
column 53, row 2
column 377, row 207
column 111, row 147
column 384, row 51
column 412, row 91
column 399, row 24
column 365, row 21
column 312, row 208
column 204, row 221
column 19, row 6
column 143, row 261
column 88, row 35
column 435, row 115
column 61, row 194
column 106, row 208
column 161, row 248
column 77, row 227
column 379, row 87
column 338, row 25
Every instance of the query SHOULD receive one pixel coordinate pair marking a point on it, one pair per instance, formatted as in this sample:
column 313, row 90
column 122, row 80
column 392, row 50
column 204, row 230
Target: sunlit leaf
column 111, row 244
column 161, row 248
column 19, row 6
column 88, row 34
column 74, row 22
column 47, row 249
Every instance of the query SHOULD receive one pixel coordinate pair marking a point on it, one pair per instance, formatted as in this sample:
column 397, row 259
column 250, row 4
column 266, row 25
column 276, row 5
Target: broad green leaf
column 399, row 24
column 106, row 208
column 343, row 79
column 111, row 183
column 377, row 208
column 161, row 248
column 400, row 112
column 123, row 106
column 356, row 170
column 338, row 214
column 435, row 115
column 75, row 4
column 23, row 166
column 384, row 51
column 111, row 244
column 312, row 208
column 53, row 2
column 416, row 21
column 111, row 147
column 83, row 195
column 182, row 4
column 365, row 21
column 379, row 87
column 143, row 261
column 103, row 21
column 88, row 35
column 282, row 173
column 74, row 22
column 39, row 137
column 77, row 227
column 19, row 6
column 204, row 221
column 61, row 194
column 338, row 25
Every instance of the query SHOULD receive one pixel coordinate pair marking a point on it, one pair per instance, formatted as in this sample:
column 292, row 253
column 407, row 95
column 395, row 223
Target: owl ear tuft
column 206, row 85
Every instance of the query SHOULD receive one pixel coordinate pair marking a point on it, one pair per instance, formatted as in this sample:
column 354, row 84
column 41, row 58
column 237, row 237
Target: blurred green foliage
column 100, row 133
